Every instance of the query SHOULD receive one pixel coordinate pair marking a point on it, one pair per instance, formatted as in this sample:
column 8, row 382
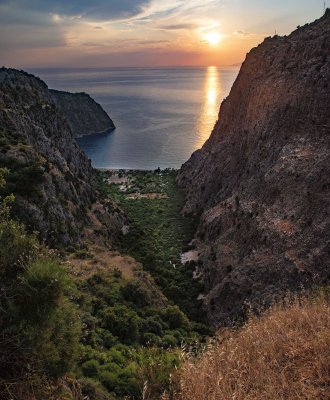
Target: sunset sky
column 106, row 33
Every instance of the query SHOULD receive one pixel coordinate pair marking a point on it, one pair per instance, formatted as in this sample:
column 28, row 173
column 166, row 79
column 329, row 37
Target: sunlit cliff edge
column 261, row 181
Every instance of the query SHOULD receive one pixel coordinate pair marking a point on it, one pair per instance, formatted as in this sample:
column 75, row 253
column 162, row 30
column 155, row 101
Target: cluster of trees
column 126, row 336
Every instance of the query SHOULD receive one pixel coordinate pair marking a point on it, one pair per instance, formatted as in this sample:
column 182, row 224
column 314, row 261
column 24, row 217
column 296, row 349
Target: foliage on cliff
column 38, row 322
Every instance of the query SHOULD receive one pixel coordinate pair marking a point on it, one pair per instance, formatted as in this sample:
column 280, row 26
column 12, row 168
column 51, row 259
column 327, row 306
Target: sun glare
column 212, row 38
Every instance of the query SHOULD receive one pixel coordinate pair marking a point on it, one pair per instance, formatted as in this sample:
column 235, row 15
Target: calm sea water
column 162, row 115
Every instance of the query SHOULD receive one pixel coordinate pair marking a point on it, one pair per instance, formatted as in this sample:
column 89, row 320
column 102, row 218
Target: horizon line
column 123, row 66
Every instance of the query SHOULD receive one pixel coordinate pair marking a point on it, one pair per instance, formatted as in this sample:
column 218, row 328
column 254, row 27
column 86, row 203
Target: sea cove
column 162, row 115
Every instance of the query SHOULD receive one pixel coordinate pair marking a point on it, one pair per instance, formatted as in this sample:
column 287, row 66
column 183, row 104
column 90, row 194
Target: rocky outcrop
column 50, row 176
column 261, row 181
column 83, row 114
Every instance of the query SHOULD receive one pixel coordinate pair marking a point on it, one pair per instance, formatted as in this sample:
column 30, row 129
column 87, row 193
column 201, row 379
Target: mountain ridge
column 54, row 184
column 260, row 181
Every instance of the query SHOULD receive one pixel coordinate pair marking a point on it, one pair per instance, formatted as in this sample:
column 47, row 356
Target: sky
column 112, row 33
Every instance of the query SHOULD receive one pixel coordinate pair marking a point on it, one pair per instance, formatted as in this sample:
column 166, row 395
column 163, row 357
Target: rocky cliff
column 261, row 181
column 51, row 178
column 83, row 114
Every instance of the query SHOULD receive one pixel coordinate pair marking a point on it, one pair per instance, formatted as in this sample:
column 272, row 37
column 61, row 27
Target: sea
column 162, row 115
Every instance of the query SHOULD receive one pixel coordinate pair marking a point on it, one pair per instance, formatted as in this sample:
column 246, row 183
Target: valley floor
column 139, row 302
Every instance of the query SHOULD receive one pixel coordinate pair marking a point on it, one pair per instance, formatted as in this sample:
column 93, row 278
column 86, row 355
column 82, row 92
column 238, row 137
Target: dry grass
column 102, row 260
column 285, row 354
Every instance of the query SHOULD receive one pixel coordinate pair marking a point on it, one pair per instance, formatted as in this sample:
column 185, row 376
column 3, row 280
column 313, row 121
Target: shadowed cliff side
column 83, row 114
column 51, row 177
column 261, row 181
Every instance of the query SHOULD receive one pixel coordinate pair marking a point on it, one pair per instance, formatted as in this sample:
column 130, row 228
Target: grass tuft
column 284, row 354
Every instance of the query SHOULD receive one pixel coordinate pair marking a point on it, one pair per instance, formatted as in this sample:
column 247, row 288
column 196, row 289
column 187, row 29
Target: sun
column 212, row 38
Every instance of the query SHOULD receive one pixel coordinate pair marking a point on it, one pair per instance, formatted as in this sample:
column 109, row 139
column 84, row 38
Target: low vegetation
column 132, row 333
column 284, row 354
column 38, row 322
column 117, row 335
column 159, row 233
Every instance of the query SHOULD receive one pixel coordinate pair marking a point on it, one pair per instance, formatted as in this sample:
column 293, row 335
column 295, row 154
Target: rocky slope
column 261, row 181
column 83, row 114
column 51, row 178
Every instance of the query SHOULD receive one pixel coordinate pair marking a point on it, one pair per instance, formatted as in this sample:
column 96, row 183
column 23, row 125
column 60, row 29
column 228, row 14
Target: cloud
column 178, row 26
column 241, row 33
column 49, row 27
column 98, row 10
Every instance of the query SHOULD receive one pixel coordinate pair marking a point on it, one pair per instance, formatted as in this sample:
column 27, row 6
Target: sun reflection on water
column 210, row 108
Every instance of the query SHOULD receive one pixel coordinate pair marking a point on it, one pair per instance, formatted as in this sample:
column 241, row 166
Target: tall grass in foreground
column 284, row 354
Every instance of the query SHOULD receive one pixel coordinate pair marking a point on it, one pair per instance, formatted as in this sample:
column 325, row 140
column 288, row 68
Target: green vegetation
column 38, row 323
column 131, row 334
column 25, row 167
column 118, row 335
column 159, row 233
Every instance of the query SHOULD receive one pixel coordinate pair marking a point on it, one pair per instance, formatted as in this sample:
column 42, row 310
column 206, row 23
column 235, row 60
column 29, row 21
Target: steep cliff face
column 261, row 181
column 83, row 114
column 52, row 179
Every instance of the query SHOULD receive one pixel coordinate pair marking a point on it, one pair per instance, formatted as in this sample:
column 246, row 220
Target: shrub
column 153, row 326
column 174, row 317
column 41, row 290
column 108, row 339
column 169, row 341
column 91, row 368
column 122, row 322
column 135, row 293
column 57, row 344
column 108, row 380
column 151, row 340
column 16, row 249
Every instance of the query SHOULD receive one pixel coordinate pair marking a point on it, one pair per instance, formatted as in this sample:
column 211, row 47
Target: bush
column 41, row 290
column 109, row 380
column 57, row 344
column 91, row 368
column 16, row 249
column 135, row 293
column 175, row 317
column 122, row 322
column 169, row 341
column 151, row 340
column 153, row 326
column 42, row 320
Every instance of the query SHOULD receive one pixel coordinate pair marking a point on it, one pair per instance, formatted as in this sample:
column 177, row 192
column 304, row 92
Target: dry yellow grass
column 283, row 355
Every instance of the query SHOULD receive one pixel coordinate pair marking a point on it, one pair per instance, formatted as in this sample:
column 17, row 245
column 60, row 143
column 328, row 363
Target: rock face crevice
column 261, row 181
column 82, row 113
column 51, row 177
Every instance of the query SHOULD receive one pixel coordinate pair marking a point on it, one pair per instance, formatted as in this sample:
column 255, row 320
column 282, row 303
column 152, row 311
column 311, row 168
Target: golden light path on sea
column 210, row 108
